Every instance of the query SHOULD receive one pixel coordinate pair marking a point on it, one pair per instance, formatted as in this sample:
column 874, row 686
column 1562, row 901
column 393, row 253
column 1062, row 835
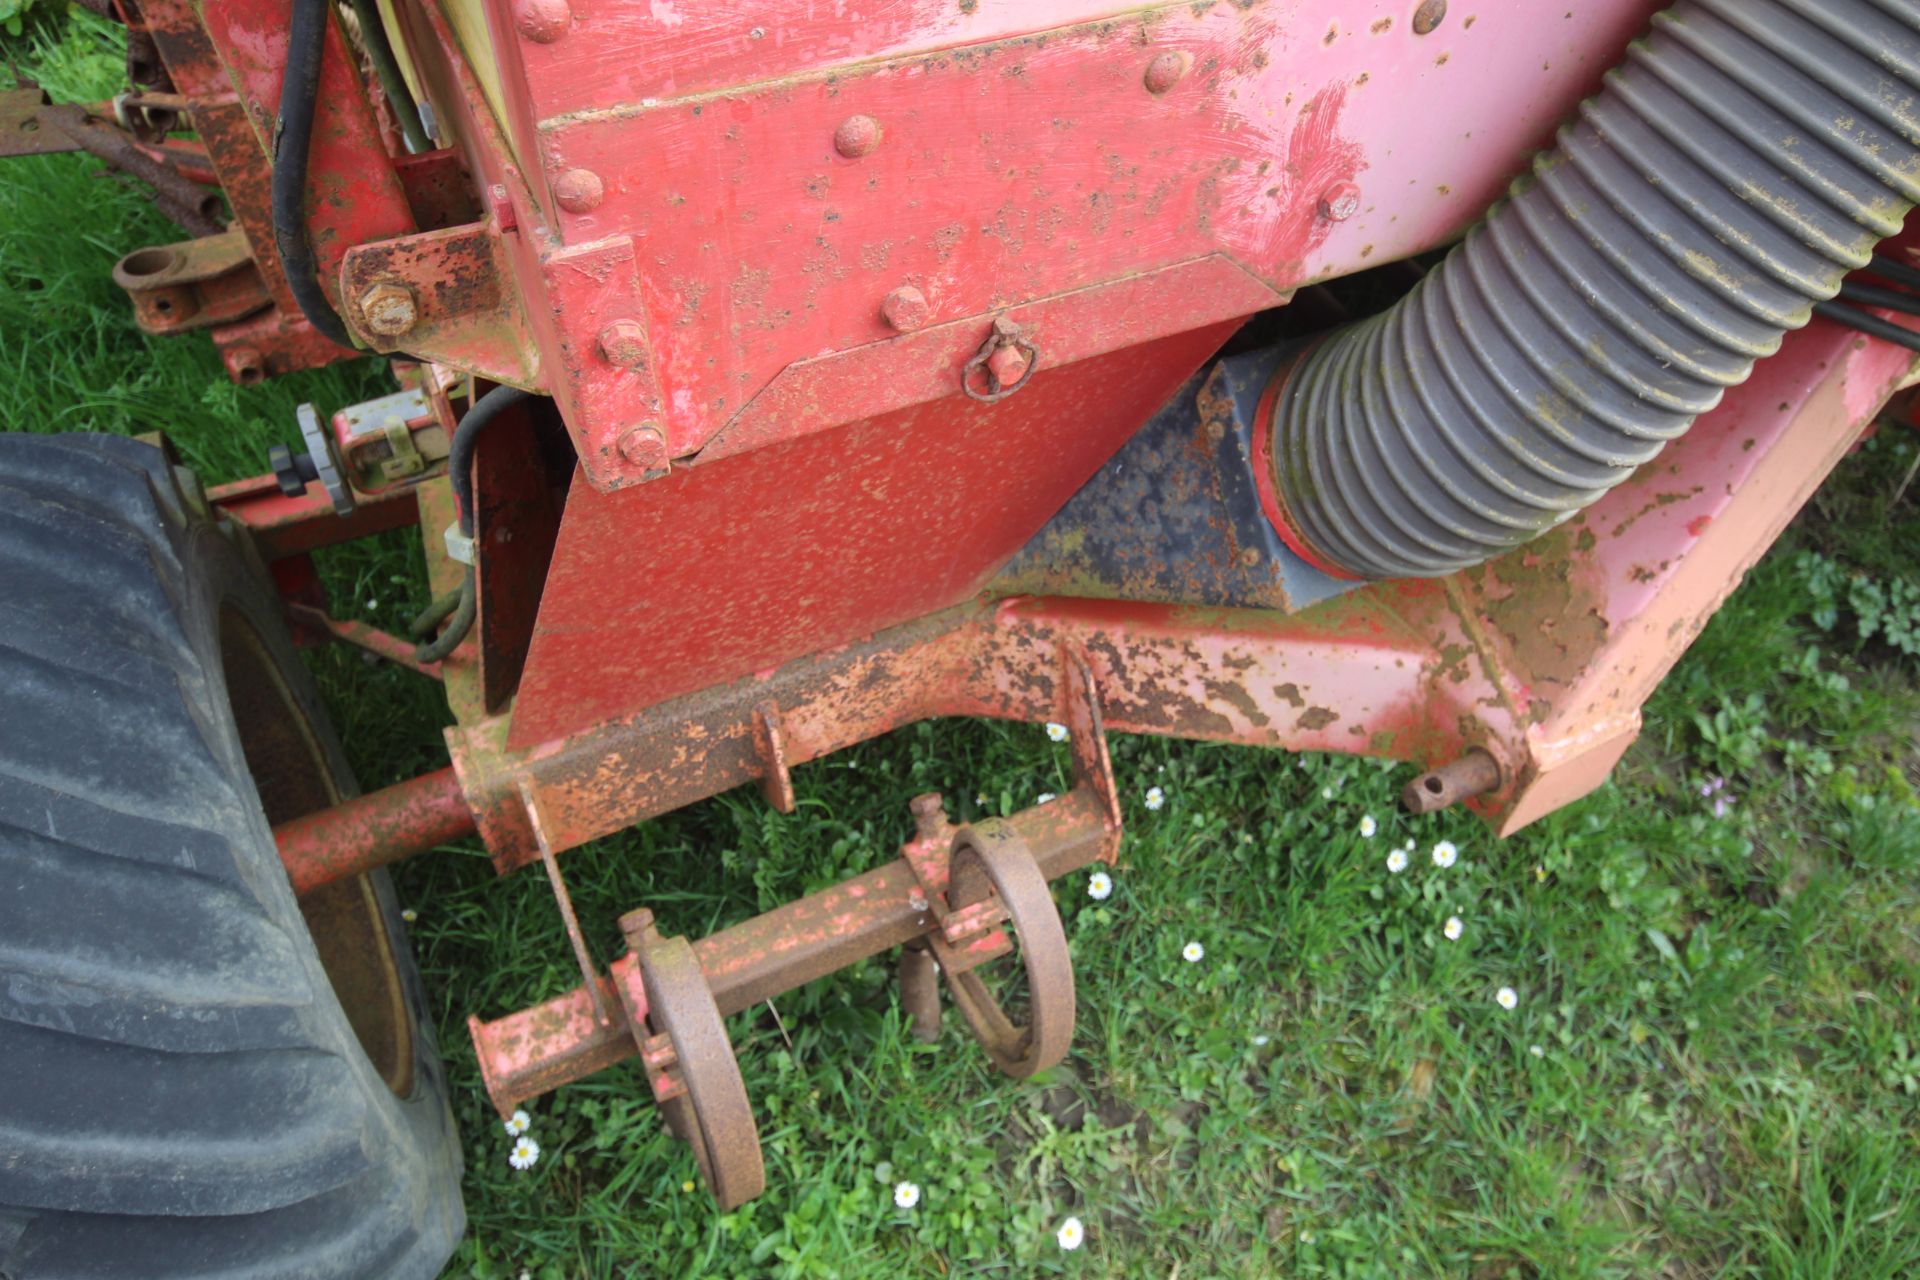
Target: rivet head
column 1340, row 202
column 579, row 190
column 905, row 308
column 387, row 309
column 542, row 21
column 857, row 136
column 645, row 448
column 1428, row 16
column 624, row 342
column 1166, row 70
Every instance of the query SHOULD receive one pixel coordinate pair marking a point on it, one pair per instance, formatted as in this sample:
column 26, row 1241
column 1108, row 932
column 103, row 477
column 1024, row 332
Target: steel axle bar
column 372, row 830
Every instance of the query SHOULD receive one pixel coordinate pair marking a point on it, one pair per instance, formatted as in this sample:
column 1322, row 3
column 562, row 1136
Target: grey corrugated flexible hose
column 1743, row 158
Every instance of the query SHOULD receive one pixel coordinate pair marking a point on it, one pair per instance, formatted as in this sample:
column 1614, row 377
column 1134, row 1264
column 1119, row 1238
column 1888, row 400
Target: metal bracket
column 1092, row 762
column 460, row 305
column 195, row 284
column 590, row 977
column 770, row 744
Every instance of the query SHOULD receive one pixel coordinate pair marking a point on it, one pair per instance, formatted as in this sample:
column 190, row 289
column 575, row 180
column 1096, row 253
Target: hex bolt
column 1166, row 70
column 905, row 308
column 624, row 343
column 645, row 448
column 857, row 136
column 929, row 815
column 636, row 927
column 1340, row 202
column 542, row 21
column 388, row 309
column 1473, row 774
column 579, row 190
column 1428, row 16
column 1007, row 364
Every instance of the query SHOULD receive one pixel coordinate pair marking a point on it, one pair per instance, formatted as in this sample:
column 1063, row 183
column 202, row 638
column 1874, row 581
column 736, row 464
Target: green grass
column 1727, row 1080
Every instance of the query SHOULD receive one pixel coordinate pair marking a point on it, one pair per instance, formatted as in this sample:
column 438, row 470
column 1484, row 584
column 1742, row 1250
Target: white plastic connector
column 459, row 545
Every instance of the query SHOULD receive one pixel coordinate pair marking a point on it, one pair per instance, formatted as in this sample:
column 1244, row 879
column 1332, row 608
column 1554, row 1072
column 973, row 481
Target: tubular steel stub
column 712, row 1114
column 1472, row 774
column 989, row 861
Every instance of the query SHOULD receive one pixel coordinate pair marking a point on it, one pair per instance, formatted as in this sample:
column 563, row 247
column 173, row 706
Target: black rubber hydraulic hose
column 292, row 143
column 464, row 605
column 1743, row 158
column 1871, row 325
column 386, row 68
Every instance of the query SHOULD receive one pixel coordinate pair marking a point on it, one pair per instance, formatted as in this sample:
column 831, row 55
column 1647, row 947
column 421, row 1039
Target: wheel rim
column 290, row 772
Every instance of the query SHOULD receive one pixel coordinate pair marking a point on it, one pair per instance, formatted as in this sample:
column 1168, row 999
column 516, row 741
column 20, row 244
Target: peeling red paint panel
column 1008, row 153
column 721, row 569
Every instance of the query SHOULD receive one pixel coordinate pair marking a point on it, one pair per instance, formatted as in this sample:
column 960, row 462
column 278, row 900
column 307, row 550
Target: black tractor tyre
column 199, row 1074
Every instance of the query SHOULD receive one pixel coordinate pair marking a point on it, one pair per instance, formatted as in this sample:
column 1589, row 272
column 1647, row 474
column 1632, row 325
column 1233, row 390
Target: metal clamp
column 992, row 864
column 1006, row 337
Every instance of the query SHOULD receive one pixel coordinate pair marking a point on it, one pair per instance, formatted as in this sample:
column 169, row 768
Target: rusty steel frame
column 536, row 1050
column 962, row 896
column 1519, row 683
column 1516, row 686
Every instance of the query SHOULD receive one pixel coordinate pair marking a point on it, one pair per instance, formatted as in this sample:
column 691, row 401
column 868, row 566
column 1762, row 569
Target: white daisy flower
column 1043, row 797
column 1397, row 861
column 1444, row 854
column 906, row 1194
column 1155, row 797
column 1057, row 732
column 1453, row 928
column 1368, row 826
column 1536, row 1051
column 1193, row 953
column 409, row 915
column 525, row 1152
column 1071, row 1234
column 1506, row 997
column 1099, row 885
column 517, row 1123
